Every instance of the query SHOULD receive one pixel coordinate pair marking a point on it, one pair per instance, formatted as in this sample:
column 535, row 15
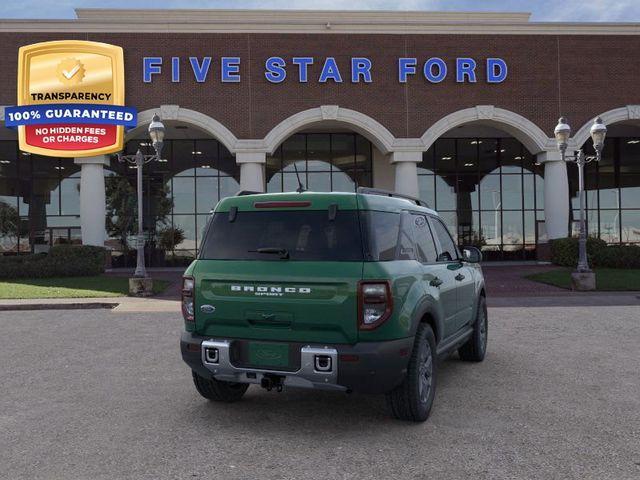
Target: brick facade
column 575, row 75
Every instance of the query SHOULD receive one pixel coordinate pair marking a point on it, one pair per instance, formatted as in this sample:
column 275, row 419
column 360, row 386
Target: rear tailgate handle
column 269, row 321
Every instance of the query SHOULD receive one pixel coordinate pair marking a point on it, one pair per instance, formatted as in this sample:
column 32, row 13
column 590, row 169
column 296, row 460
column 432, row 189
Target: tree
column 169, row 237
column 9, row 221
column 122, row 208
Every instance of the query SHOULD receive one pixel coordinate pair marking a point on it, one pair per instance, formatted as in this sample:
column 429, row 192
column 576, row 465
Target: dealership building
column 458, row 109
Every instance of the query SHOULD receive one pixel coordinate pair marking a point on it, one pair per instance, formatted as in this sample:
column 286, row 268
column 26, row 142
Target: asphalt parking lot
column 98, row 394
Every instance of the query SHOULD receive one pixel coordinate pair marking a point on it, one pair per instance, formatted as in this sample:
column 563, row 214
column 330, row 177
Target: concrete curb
column 57, row 306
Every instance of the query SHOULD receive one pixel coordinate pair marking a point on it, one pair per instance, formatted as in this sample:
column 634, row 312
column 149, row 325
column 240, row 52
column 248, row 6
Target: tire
column 218, row 391
column 413, row 398
column 476, row 347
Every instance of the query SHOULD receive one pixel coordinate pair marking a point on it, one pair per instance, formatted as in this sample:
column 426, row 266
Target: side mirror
column 471, row 254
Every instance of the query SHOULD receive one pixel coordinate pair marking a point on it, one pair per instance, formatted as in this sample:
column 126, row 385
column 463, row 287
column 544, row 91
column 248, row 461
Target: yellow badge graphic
column 71, row 99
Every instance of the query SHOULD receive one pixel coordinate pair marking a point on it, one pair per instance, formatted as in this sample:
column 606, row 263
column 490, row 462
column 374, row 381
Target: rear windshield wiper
column 283, row 252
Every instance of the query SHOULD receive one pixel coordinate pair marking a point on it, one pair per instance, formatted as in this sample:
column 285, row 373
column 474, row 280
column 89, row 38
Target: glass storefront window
column 609, row 226
column 206, row 191
column 426, row 185
column 512, row 230
column 630, row 189
column 630, row 224
column 489, row 190
column 498, row 193
column 70, row 195
column 187, row 223
column 490, row 193
column 612, row 191
column 183, row 195
column 511, row 155
column 512, row 192
column 325, row 162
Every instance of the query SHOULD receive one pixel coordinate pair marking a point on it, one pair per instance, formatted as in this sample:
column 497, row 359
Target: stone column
column 251, row 170
column 556, row 194
column 93, row 209
column 406, row 167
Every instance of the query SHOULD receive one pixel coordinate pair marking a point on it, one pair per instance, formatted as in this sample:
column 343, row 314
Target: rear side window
column 305, row 235
column 449, row 251
column 388, row 235
column 427, row 252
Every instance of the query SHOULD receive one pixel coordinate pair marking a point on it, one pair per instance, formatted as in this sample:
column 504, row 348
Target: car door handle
column 459, row 277
column 436, row 282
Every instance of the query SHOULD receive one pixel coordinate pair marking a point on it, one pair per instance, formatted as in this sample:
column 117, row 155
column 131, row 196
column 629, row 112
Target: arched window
column 325, row 162
column 487, row 190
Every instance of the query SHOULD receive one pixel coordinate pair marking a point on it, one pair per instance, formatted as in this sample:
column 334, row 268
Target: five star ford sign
column 71, row 99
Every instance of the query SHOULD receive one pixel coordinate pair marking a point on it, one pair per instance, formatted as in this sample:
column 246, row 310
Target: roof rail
column 389, row 193
column 242, row 193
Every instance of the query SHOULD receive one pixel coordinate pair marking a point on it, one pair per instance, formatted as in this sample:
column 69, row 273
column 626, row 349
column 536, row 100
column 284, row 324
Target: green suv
column 358, row 292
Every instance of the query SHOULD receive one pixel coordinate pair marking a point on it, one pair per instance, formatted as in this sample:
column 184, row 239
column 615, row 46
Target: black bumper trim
column 372, row 367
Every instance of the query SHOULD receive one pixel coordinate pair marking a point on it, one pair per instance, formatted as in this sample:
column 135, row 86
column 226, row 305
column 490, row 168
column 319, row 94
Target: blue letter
column 360, row 66
column 465, row 66
column 428, row 70
column 330, row 71
column 230, row 69
column 150, row 66
column 496, row 70
column 175, row 69
column 275, row 69
column 200, row 71
column 303, row 63
column 406, row 66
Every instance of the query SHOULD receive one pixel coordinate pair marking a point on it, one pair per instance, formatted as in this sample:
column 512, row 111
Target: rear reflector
column 281, row 204
column 349, row 358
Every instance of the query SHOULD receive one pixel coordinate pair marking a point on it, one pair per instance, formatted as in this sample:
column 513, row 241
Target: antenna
column 300, row 188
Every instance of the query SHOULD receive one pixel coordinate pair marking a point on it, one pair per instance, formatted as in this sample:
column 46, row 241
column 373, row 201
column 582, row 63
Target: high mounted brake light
column 188, row 284
column 375, row 303
column 291, row 204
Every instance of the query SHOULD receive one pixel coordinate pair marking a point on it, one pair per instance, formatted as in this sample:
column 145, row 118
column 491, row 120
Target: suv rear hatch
column 281, row 270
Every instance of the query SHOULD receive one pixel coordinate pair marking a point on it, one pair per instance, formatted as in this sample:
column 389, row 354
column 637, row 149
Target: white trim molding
column 196, row 21
column 622, row 114
column 200, row 120
column 332, row 114
column 531, row 136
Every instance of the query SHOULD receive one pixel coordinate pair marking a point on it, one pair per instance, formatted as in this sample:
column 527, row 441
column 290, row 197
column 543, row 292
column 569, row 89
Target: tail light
column 187, row 298
column 375, row 304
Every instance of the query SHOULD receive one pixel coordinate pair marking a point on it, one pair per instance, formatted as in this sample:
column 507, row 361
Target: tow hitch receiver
column 269, row 382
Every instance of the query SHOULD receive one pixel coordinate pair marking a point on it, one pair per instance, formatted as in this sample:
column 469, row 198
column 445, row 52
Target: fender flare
column 427, row 306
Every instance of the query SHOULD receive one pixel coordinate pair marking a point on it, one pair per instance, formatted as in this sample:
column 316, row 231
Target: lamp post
column 156, row 133
column 583, row 278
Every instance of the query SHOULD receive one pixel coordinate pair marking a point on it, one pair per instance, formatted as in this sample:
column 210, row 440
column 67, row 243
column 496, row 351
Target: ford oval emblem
column 207, row 309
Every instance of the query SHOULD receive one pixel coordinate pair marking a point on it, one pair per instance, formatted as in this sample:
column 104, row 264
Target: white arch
column 382, row 138
column 531, row 136
column 622, row 114
column 197, row 119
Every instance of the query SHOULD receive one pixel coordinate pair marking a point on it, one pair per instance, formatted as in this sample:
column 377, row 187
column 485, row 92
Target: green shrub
column 61, row 261
column 564, row 252
column 618, row 256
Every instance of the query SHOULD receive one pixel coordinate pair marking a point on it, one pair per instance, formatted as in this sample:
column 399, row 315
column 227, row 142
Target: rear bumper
column 366, row 367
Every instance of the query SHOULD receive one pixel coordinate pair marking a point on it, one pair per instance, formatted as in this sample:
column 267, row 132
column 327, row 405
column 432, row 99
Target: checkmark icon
column 71, row 73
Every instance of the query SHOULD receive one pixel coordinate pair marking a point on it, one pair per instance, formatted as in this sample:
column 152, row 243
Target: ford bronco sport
column 342, row 291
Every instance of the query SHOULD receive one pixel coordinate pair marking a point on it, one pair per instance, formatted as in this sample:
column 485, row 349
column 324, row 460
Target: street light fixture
column 156, row 133
column 598, row 132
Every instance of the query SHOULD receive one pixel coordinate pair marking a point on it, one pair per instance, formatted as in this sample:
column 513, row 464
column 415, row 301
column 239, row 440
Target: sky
column 542, row 10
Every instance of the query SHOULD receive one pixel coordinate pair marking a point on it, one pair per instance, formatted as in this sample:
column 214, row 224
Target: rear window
column 305, row 235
